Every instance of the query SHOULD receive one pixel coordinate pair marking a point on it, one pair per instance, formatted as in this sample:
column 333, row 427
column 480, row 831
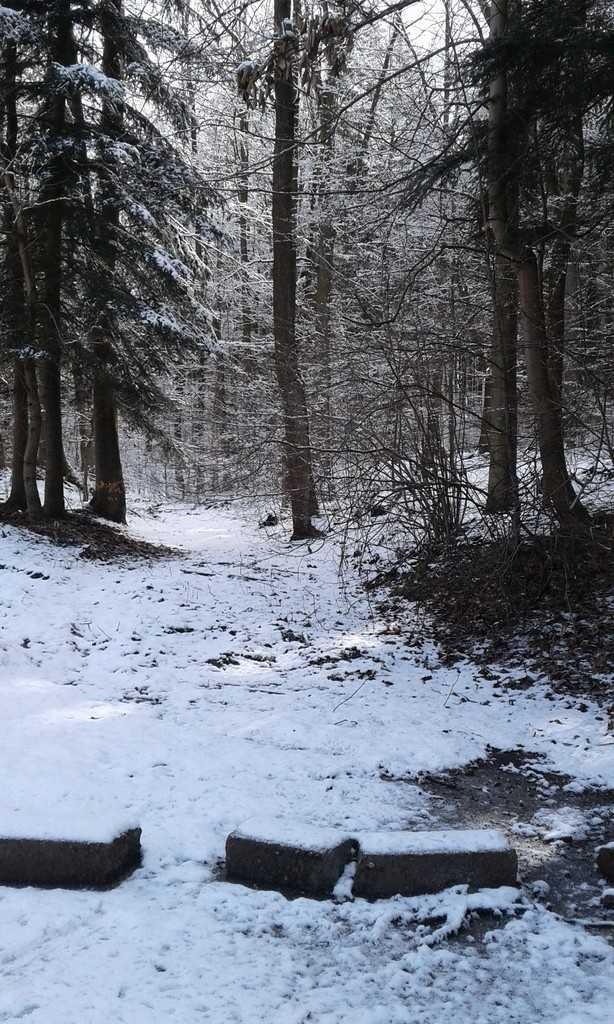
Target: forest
column 307, row 511
column 336, row 261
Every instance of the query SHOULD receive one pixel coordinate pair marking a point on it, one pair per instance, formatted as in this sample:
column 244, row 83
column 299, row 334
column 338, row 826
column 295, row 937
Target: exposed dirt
column 511, row 791
column 546, row 605
column 98, row 541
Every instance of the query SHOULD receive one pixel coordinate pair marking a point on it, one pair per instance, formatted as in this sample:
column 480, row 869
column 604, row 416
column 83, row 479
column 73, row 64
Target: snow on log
column 69, row 863
column 414, row 863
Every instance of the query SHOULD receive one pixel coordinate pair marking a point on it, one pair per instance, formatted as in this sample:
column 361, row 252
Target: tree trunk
column 109, row 500
column 557, row 487
column 30, row 457
column 218, row 423
column 17, row 334
column 246, row 311
column 84, row 451
column 17, row 497
column 484, row 438
column 324, row 257
column 14, row 304
column 568, row 182
column 291, row 386
column 178, row 438
column 58, row 175
column 503, row 223
column 26, row 404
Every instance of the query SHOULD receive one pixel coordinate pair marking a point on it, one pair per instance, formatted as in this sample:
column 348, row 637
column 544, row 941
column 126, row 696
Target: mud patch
column 554, row 827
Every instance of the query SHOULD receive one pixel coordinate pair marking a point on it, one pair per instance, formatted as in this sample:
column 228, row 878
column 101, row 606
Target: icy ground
column 244, row 678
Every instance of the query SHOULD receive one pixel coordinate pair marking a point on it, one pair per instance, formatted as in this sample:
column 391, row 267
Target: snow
column 307, row 837
column 41, row 823
column 123, row 152
column 139, row 212
column 87, row 76
column 443, row 841
column 294, row 833
column 564, row 823
column 14, row 27
column 169, row 265
column 165, row 694
column 163, row 319
column 343, row 888
column 247, row 67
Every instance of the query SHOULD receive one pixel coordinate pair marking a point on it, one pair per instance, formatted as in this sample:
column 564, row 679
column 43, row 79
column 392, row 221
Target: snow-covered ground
column 245, row 678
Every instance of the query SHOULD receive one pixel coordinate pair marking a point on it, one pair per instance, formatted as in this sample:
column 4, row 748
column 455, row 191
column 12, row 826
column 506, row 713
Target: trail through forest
column 243, row 677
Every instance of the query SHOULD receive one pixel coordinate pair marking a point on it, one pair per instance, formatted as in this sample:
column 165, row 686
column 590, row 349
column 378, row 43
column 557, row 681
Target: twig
column 346, row 699
column 586, row 923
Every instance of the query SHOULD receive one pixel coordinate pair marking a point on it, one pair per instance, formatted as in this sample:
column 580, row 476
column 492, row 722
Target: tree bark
column 290, row 381
column 84, row 447
column 14, row 311
column 324, row 258
column 58, row 177
column 30, row 457
column 17, row 496
column 557, row 487
column 246, row 312
column 503, row 223
column 109, row 500
column 27, row 411
column 568, row 175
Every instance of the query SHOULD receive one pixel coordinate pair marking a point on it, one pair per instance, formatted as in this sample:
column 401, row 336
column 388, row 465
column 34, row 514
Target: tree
column 102, row 216
column 109, row 498
column 502, row 198
column 56, row 183
column 291, row 386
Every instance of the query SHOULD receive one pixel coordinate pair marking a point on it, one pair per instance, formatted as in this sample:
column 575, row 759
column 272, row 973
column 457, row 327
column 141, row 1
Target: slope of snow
column 241, row 679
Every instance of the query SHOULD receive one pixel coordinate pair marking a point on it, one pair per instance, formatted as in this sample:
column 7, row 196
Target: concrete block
column 605, row 861
column 414, row 863
column 305, row 860
column 607, row 899
column 71, row 864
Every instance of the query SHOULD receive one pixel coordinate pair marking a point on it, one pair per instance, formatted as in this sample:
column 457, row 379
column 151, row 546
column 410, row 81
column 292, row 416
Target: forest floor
column 236, row 676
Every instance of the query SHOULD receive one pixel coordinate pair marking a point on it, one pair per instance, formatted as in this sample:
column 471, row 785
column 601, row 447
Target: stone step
column 69, row 863
column 274, row 855
column 303, row 860
column 605, row 861
column 414, row 863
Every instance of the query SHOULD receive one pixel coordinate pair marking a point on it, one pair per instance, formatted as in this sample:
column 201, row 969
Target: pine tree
column 113, row 226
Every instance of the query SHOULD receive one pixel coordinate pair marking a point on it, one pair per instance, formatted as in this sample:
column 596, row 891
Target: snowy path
column 190, row 694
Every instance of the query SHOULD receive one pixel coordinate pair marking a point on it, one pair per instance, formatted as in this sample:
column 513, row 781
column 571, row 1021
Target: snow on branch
column 85, row 77
column 138, row 212
column 14, row 27
column 170, row 266
column 166, row 321
column 122, row 152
